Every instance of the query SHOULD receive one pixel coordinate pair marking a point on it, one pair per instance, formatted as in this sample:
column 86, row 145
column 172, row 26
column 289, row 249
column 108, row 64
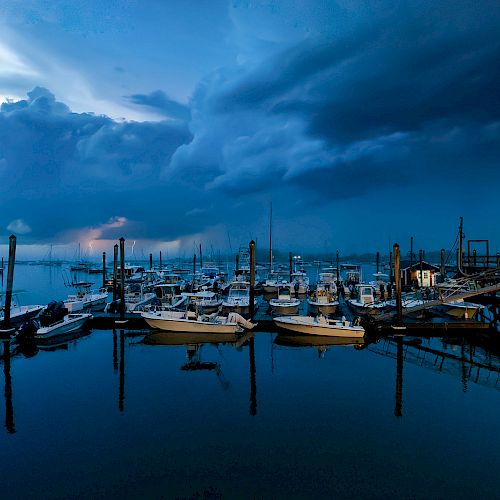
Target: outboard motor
column 27, row 331
column 54, row 312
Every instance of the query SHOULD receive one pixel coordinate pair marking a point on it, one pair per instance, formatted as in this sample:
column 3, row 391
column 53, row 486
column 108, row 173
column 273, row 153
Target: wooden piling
column 378, row 261
column 397, row 278
column 252, row 279
column 237, row 264
column 104, row 269
column 194, row 273
column 115, row 271
column 290, row 265
column 122, row 279
column 150, row 261
column 201, row 258
column 10, row 280
column 161, row 262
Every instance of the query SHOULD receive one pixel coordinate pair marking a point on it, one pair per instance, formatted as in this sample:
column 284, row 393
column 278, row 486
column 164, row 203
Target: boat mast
column 271, row 237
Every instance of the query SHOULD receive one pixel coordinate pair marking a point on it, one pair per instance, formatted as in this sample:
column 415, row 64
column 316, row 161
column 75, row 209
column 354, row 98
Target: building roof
column 426, row 266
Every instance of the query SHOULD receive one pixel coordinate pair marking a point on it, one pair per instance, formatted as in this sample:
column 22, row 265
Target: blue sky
column 174, row 122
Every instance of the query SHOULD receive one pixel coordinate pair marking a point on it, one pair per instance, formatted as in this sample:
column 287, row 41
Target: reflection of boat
column 311, row 340
column 190, row 321
column 319, row 326
column 69, row 323
column 176, row 338
column 60, row 341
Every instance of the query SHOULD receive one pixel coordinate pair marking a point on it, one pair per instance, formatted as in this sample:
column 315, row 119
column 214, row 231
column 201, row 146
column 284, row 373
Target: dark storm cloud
column 411, row 96
column 61, row 170
column 160, row 102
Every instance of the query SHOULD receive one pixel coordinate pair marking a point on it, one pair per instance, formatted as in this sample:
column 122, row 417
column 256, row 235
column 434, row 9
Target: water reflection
column 9, row 409
column 398, row 409
column 121, row 391
column 253, row 382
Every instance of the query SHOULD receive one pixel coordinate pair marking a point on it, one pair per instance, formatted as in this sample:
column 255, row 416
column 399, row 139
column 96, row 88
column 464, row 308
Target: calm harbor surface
column 110, row 414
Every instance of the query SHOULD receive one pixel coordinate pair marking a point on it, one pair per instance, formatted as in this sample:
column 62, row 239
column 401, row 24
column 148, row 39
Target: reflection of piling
column 252, row 279
column 9, row 408
column 121, row 394
column 253, row 383
column 115, row 351
column 122, row 279
column 104, row 269
column 10, row 280
column 397, row 279
column 115, row 271
column 398, row 409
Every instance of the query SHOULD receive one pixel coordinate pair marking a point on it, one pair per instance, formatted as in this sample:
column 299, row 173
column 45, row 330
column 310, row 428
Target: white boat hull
column 70, row 323
column 284, row 309
column 322, row 308
column 311, row 326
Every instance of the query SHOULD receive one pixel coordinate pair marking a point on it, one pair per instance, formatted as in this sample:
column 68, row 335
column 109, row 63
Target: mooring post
column 194, row 273
column 391, row 276
column 290, row 265
column 150, row 261
column 115, row 271
column 237, row 264
column 122, row 280
column 10, row 280
column 474, row 259
column 498, row 260
column 397, row 278
column 161, row 262
column 443, row 271
column 252, row 279
column 104, row 269
column 201, row 258
column 378, row 261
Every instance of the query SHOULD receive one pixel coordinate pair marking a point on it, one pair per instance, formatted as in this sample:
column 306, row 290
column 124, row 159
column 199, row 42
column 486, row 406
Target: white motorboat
column 238, row 299
column 85, row 299
column 319, row 325
column 323, row 300
column 300, row 282
column 191, row 322
column 460, row 309
column 69, row 323
column 275, row 280
column 208, row 301
column 20, row 314
column 363, row 302
column 284, row 304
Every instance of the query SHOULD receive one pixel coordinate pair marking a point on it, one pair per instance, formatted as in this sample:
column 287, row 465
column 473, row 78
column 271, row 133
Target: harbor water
column 114, row 414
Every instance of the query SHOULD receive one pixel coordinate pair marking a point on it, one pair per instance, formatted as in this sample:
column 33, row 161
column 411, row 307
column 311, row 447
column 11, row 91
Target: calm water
column 107, row 415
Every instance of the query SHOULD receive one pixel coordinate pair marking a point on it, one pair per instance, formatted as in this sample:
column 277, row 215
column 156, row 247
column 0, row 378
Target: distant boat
column 284, row 304
column 85, row 298
column 238, row 299
column 319, row 326
column 20, row 314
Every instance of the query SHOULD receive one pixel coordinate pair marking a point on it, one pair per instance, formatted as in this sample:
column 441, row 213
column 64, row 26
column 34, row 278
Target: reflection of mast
column 121, row 395
column 398, row 410
column 115, row 351
column 464, row 369
column 9, row 409
column 253, row 384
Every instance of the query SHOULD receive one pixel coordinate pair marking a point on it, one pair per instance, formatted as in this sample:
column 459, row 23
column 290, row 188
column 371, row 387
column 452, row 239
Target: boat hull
column 299, row 325
column 326, row 309
column 284, row 310
column 62, row 328
column 189, row 326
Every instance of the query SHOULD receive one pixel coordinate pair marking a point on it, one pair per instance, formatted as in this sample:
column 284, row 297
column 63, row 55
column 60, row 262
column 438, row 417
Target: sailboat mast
column 271, row 237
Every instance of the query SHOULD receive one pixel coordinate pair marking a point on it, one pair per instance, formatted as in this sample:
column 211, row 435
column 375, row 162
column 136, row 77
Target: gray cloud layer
column 406, row 107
